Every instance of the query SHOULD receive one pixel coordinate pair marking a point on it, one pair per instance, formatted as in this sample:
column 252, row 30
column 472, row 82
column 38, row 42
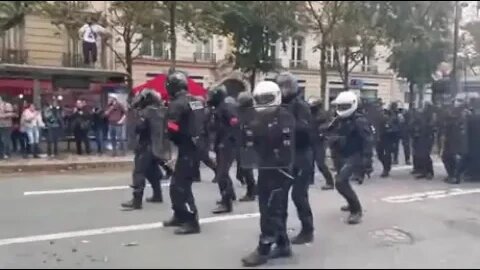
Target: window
column 204, row 47
column 153, row 48
column 272, row 50
column 298, row 44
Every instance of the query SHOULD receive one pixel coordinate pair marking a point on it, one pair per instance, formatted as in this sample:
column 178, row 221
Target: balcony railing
column 72, row 60
column 10, row 56
column 204, row 57
column 299, row 64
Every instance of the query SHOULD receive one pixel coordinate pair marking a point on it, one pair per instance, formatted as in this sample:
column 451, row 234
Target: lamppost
column 458, row 15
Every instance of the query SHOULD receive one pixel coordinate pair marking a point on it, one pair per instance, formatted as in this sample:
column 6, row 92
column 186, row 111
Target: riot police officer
column 423, row 125
column 319, row 125
column 455, row 147
column 273, row 187
column 355, row 142
column 389, row 132
column 245, row 102
column 303, row 170
column 146, row 162
column 184, row 115
column 226, row 132
column 203, row 144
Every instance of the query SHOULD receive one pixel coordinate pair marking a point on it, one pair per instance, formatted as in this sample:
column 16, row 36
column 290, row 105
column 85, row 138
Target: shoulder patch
column 195, row 105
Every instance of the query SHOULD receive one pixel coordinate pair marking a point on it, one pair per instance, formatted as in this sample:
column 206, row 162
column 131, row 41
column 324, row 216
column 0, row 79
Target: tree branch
column 117, row 55
column 338, row 64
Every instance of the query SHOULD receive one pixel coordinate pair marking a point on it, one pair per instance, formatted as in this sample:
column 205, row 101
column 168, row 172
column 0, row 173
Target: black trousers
column 405, row 139
column 203, row 152
column 350, row 165
column 181, row 195
column 225, row 156
column 53, row 135
column 303, row 174
column 455, row 164
column 422, row 148
column 146, row 167
column 81, row 136
column 320, row 151
column 273, row 188
column 385, row 148
column 89, row 52
column 246, row 175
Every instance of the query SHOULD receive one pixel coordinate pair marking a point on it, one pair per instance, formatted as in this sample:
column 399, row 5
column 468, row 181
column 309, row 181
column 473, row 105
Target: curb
column 62, row 167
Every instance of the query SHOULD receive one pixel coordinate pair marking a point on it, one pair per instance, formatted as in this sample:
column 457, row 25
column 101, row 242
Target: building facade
column 39, row 42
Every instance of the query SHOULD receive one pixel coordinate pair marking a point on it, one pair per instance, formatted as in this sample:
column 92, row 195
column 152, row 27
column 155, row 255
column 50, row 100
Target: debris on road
column 84, row 241
column 131, row 244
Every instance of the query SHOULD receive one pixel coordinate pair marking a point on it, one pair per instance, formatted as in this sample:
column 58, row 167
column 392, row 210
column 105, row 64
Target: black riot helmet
column 217, row 95
column 147, row 97
column 245, row 99
column 315, row 103
column 288, row 86
column 176, row 82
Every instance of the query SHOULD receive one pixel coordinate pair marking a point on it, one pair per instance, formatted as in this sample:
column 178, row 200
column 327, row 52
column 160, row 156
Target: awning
column 158, row 83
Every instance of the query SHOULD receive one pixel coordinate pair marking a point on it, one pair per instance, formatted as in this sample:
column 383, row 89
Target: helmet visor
column 264, row 99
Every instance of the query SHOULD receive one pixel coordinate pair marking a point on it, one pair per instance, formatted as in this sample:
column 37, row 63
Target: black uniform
column 423, row 133
column 203, row 145
column 320, row 123
column 245, row 175
column 455, row 147
column 226, row 130
column 355, row 142
column 183, row 130
column 404, row 137
column 388, row 134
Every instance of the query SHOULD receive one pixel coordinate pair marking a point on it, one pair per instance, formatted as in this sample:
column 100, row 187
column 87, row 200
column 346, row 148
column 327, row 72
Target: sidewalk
column 68, row 162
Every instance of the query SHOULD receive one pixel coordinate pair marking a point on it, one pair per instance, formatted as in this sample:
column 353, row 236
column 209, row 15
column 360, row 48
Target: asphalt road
column 74, row 221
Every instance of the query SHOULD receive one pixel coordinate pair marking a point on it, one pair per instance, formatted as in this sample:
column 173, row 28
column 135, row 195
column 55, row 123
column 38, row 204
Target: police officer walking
column 245, row 112
column 184, row 115
column 388, row 134
column 303, row 169
column 320, row 124
column 273, row 186
column 423, row 138
column 456, row 146
column 149, row 106
column 226, row 132
column 356, row 146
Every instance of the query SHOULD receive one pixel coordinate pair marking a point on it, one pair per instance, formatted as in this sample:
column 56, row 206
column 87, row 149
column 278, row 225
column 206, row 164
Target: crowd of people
column 24, row 127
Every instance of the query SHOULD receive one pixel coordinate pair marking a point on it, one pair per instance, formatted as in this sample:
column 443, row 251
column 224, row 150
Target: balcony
column 10, row 56
column 157, row 55
column 204, row 58
column 72, row 60
column 299, row 64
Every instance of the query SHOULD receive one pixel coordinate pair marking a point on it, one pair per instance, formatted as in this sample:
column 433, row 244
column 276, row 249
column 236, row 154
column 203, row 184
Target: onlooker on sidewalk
column 6, row 116
column 31, row 123
column 98, row 126
column 81, row 125
column 19, row 138
column 53, row 118
column 116, row 115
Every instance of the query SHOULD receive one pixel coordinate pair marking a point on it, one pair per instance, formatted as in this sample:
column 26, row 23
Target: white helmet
column 347, row 104
column 267, row 93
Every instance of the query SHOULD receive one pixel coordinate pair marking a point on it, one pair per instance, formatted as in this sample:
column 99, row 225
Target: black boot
column 247, row 198
column 173, row 222
column 281, row 252
column 135, row 203
column 385, row 174
column 345, row 208
column 254, row 259
column 36, row 150
column 303, row 238
column 354, row 218
column 429, row 176
column 157, row 196
column 188, row 228
column 224, row 207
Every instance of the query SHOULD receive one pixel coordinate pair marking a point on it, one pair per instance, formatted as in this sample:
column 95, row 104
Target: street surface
column 74, row 221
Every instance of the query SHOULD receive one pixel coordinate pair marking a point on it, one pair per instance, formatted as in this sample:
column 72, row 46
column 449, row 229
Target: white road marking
column 436, row 194
column 405, row 167
column 79, row 190
column 110, row 230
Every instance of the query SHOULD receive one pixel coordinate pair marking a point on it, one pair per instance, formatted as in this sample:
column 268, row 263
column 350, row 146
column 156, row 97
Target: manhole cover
column 391, row 236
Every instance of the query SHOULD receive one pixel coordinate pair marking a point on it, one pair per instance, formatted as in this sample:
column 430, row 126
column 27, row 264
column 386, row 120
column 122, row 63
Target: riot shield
column 156, row 117
column 267, row 140
column 133, row 117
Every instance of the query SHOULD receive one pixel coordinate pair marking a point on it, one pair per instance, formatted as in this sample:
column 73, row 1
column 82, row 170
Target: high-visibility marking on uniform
column 172, row 126
column 110, row 230
column 79, row 190
column 429, row 195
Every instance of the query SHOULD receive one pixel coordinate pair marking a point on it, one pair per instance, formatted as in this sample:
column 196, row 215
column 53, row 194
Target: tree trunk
column 346, row 82
column 411, row 96
column 323, row 74
column 421, row 88
column 173, row 35
column 129, row 64
column 253, row 78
